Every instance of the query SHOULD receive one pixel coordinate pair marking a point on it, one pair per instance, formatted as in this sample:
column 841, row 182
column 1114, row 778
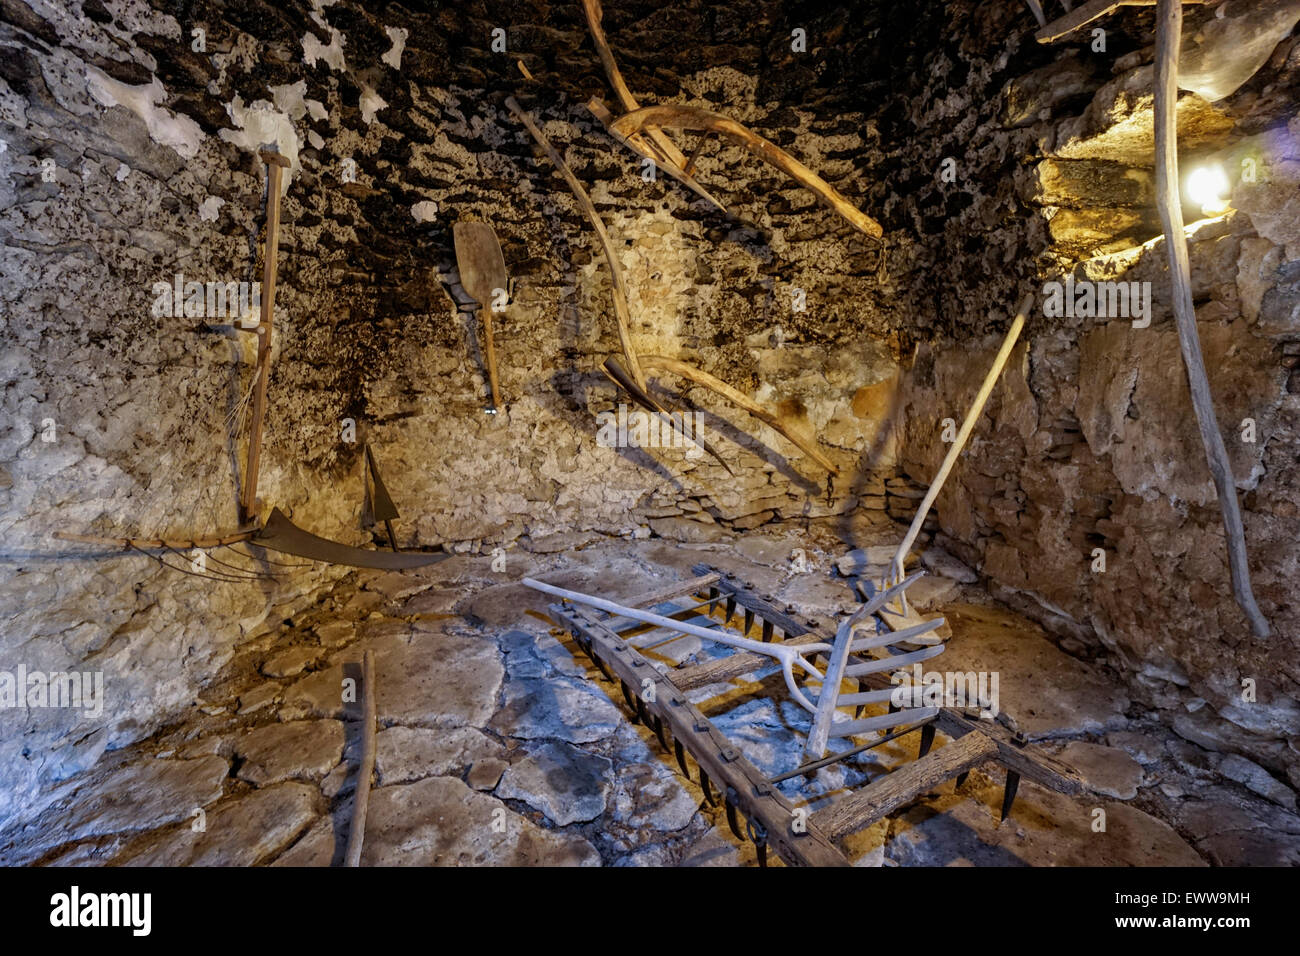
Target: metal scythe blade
column 281, row 534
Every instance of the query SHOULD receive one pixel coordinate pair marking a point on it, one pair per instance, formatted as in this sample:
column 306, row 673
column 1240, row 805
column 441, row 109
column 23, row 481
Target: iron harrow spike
column 927, row 740
column 961, row 778
column 631, row 704
column 680, row 752
column 709, row 798
column 758, row 836
column 659, row 730
column 642, row 713
column 1009, row 793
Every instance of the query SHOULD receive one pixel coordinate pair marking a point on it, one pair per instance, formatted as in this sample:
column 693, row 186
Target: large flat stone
column 1046, row 691
column 302, row 749
column 138, row 796
column 423, row 678
column 241, row 832
column 559, row 708
column 442, row 822
column 1045, row 829
column 403, row 754
column 1108, row 770
column 567, row 784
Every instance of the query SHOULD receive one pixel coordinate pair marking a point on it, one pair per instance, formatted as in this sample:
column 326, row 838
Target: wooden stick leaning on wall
column 742, row 401
column 618, row 287
column 154, row 544
column 968, row 425
column 704, row 121
column 275, row 165
column 1169, row 23
column 361, row 800
column 650, row 141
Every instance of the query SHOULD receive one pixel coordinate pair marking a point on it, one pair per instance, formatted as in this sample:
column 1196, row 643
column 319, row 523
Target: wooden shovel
column 483, row 277
column 275, row 164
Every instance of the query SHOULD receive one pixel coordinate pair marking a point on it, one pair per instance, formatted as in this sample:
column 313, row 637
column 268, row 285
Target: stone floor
column 499, row 743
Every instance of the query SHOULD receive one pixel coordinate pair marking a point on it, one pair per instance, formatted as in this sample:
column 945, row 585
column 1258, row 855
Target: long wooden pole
column 275, row 165
column 972, row 416
column 618, row 291
column 361, row 799
column 1169, row 26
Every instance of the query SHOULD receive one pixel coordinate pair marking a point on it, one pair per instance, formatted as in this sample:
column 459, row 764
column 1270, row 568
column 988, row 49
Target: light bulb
column 1208, row 187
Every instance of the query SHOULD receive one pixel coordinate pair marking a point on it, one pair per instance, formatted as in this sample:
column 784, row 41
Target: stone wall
column 1090, row 441
column 130, row 157
column 154, row 172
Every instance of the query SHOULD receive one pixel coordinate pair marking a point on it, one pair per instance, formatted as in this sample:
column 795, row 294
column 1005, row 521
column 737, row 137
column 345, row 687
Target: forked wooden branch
column 652, row 142
column 824, row 716
column 361, row 799
column 742, row 401
column 618, row 287
column 704, row 121
column 972, row 416
column 1169, row 24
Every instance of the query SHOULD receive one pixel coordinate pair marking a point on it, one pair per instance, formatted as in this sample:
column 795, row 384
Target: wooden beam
column 622, row 313
column 882, row 797
column 1169, row 24
column 704, row 121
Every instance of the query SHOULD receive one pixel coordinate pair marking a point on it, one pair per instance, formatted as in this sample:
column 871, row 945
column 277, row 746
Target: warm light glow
column 1208, row 187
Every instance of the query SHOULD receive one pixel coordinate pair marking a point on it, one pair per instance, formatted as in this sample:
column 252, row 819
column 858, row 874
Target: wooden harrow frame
column 659, row 701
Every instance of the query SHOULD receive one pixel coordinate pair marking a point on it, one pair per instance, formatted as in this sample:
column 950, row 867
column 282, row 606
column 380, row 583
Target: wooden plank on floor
column 880, row 798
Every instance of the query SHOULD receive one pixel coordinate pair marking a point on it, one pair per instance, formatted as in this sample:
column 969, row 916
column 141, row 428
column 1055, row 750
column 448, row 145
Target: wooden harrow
column 658, row 699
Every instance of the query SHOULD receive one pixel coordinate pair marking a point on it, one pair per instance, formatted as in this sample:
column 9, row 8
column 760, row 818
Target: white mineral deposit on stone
column 259, row 124
column 398, row 37
column 165, row 127
column 210, row 209
column 371, row 103
column 425, row 211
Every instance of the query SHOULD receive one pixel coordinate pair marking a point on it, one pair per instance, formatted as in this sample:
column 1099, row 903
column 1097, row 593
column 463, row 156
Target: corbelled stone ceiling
column 995, row 165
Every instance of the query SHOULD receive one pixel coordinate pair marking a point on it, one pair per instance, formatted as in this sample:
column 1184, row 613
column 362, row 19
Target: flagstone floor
column 499, row 743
